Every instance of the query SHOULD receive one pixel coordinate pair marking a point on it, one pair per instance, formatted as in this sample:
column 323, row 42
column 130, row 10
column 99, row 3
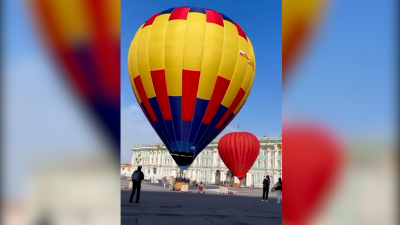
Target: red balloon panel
column 239, row 151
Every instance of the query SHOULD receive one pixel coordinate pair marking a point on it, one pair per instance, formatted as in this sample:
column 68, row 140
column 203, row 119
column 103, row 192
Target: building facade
column 208, row 166
column 126, row 169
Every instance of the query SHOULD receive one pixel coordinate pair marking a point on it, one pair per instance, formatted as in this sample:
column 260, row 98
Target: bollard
column 184, row 188
column 223, row 190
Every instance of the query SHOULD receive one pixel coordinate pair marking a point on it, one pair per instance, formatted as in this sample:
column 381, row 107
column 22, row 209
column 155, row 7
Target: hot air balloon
column 84, row 39
column 191, row 70
column 239, row 151
column 299, row 20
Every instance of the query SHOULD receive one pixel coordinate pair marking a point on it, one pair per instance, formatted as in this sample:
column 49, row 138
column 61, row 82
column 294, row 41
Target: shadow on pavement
column 164, row 207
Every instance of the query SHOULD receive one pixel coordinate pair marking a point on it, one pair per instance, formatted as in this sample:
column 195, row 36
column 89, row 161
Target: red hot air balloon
column 239, row 151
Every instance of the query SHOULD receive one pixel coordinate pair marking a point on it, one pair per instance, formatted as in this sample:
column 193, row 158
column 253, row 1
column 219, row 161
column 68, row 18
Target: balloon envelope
column 239, row 151
column 191, row 70
column 84, row 39
column 299, row 20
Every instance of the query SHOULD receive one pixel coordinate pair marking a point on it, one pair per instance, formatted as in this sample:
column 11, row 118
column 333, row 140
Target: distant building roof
column 264, row 140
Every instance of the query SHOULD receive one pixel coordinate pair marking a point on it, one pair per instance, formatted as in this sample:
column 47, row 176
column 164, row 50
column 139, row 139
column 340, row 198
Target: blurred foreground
column 60, row 159
column 340, row 112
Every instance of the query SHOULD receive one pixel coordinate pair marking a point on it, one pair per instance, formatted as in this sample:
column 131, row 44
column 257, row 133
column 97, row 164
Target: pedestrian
column 171, row 183
column 278, row 189
column 266, row 184
column 137, row 178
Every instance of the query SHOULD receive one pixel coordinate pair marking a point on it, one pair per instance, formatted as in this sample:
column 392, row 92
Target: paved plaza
column 158, row 205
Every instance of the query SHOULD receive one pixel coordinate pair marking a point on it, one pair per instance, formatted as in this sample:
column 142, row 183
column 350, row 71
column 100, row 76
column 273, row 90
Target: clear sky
column 347, row 78
column 260, row 20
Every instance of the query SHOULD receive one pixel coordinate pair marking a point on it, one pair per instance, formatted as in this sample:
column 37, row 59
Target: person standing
column 278, row 189
column 137, row 178
column 266, row 184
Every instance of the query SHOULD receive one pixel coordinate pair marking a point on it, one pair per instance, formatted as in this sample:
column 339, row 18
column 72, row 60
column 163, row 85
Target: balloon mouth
column 184, row 167
column 240, row 178
column 183, row 159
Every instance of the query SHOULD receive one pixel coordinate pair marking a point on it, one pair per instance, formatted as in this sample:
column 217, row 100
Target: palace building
column 208, row 167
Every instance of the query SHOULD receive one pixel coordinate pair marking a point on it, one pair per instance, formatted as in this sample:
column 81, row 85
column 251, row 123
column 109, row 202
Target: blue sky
column 347, row 78
column 262, row 22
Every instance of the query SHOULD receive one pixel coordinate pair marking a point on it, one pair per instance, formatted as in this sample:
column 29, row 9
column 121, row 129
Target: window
column 265, row 163
column 279, row 164
column 279, row 153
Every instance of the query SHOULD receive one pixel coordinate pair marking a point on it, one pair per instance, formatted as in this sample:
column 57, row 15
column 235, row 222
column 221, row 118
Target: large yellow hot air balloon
column 191, row 70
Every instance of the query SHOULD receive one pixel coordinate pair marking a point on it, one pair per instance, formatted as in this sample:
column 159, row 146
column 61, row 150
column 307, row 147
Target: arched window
column 258, row 163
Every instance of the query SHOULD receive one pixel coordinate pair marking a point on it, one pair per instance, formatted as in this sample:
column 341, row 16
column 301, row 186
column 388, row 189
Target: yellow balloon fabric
column 191, row 70
column 299, row 19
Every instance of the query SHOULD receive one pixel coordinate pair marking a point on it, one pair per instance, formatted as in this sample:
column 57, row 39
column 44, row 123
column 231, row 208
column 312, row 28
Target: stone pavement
column 210, row 189
column 160, row 206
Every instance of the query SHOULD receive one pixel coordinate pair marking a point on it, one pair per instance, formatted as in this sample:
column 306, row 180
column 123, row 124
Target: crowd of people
column 138, row 176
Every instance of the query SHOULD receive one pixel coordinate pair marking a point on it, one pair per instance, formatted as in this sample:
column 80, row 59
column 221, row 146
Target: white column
column 174, row 173
column 236, row 180
column 249, row 179
column 214, row 163
column 213, row 176
column 150, row 157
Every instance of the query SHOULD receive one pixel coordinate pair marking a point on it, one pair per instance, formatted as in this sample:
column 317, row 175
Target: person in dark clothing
column 137, row 178
column 266, row 184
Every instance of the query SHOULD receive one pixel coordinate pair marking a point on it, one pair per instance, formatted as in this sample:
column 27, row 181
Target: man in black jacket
column 266, row 184
column 137, row 178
